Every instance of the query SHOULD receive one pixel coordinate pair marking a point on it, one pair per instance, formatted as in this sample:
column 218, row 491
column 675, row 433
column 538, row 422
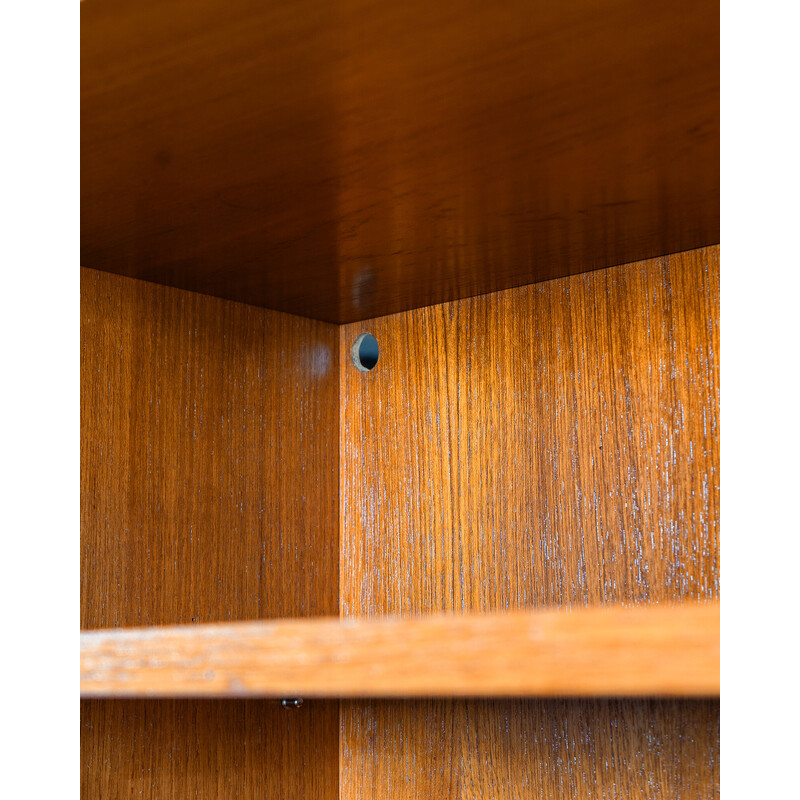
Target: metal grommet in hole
column 365, row 352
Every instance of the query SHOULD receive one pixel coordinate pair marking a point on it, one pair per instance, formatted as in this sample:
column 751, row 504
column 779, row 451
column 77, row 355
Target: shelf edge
column 670, row 650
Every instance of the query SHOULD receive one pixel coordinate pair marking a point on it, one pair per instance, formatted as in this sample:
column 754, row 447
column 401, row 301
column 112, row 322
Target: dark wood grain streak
column 552, row 445
column 209, row 474
column 344, row 160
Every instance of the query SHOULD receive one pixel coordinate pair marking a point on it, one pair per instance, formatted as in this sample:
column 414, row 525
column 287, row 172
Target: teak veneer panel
column 552, row 445
column 208, row 749
column 344, row 160
column 650, row 650
column 209, row 473
column 530, row 749
column 209, row 465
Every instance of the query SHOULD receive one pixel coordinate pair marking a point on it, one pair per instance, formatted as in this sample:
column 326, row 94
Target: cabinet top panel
column 352, row 159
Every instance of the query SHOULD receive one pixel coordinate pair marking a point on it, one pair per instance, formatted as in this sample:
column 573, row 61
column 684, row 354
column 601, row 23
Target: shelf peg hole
column 365, row 352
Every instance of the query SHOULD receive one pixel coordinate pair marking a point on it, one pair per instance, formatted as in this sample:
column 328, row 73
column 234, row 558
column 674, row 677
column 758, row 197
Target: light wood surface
column 555, row 445
column 344, row 160
column 603, row 651
column 208, row 492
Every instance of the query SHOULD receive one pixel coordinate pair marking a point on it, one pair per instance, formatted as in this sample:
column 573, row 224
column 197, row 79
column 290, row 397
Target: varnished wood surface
column 208, row 492
column 552, row 445
column 208, row 749
column 652, row 650
column 209, row 467
column 517, row 391
column 346, row 160
column 524, row 749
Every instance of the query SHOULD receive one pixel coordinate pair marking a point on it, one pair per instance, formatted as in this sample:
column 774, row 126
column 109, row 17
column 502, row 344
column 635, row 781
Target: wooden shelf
column 349, row 160
column 650, row 650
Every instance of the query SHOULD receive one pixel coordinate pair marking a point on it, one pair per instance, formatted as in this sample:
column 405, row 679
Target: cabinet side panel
column 209, row 476
column 552, row 445
column 209, row 749
column 209, row 465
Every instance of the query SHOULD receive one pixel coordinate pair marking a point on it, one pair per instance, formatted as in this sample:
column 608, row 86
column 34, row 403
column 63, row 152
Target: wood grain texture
column 208, row 492
column 522, row 749
column 358, row 158
column 651, row 650
column 552, row 445
column 209, row 466
column 208, row 749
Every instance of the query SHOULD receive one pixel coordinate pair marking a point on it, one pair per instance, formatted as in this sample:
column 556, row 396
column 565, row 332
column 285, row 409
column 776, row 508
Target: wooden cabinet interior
column 549, row 446
column 521, row 203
